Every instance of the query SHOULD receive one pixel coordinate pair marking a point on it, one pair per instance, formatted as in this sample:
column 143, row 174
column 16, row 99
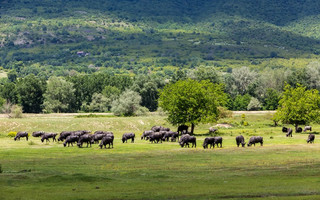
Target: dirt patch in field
column 223, row 125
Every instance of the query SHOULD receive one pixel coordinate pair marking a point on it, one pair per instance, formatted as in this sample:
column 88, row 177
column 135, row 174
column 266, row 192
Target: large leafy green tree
column 30, row 92
column 59, row 96
column 298, row 106
column 192, row 102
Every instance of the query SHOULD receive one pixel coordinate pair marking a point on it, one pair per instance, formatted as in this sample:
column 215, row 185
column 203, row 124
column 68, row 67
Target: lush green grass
column 284, row 168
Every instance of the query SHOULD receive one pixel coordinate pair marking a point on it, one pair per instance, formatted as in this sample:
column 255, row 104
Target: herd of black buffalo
column 155, row 135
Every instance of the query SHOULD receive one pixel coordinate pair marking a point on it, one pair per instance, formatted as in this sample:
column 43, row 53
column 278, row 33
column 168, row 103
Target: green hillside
column 47, row 37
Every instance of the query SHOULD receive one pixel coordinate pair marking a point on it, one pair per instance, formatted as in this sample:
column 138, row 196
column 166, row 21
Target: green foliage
column 298, row 106
column 241, row 102
column 99, row 103
column 30, row 93
column 59, row 96
column 271, row 99
column 127, row 105
column 254, row 104
column 12, row 134
column 191, row 102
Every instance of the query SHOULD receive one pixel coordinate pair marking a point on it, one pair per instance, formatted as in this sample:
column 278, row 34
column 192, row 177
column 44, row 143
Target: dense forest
column 101, row 49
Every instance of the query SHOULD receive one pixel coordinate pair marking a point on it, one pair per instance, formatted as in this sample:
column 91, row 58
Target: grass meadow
column 284, row 168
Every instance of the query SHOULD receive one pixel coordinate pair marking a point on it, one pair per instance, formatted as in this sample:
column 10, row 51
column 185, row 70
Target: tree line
column 245, row 89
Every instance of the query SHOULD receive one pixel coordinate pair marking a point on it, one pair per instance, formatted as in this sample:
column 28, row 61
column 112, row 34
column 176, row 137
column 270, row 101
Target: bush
column 224, row 113
column 254, row 104
column 142, row 111
column 16, row 111
column 12, row 134
column 127, row 105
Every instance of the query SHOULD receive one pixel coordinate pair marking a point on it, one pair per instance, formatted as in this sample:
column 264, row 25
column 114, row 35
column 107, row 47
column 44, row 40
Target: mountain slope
column 55, row 37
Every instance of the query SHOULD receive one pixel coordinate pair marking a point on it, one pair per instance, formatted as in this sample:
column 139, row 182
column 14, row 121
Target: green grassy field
column 284, row 168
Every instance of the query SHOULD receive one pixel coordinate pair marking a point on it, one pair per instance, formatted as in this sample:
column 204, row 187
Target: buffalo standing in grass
column 46, row 137
column 311, row 138
column 20, row 135
column 156, row 128
column 186, row 139
column 38, row 133
column 175, row 136
column 182, row 129
column 64, row 134
column 307, row 128
column 217, row 140
column 127, row 136
column 284, row 129
column 255, row 139
column 145, row 134
column 85, row 138
column 299, row 130
column 240, row 140
column 70, row 140
column 170, row 134
column 155, row 137
column 208, row 141
column 106, row 140
column 289, row 132
column 212, row 130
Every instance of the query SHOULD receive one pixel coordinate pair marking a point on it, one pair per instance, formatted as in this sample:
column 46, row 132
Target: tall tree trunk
column 192, row 128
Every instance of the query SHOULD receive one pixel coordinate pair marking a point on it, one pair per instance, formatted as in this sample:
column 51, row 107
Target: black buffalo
column 307, row 128
column 38, row 133
column 85, row 138
column 145, row 134
column 208, row 141
column 255, row 139
column 311, row 138
column 46, row 137
column 127, row 136
column 182, row 129
column 299, row 130
column 64, row 134
column 20, row 135
column 70, row 140
column 289, row 132
column 217, row 140
column 284, row 129
column 156, row 128
column 155, row 137
column 106, row 140
column 240, row 140
column 186, row 139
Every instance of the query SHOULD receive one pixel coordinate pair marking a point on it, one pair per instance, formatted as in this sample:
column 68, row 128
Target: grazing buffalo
column 64, row 134
column 85, row 138
column 307, row 128
column 208, row 141
column 70, row 140
column 240, row 140
column 106, row 140
column 311, row 138
column 255, row 139
column 284, row 129
column 182, row 129
column 38, row 133
column 98, row 137
column 217, row 140
column 186, row 139
column 46, row 137
column 212, row 130
column 170, row 134
column 145, row 134
column 156, row 128
column 155, row 137
column 299, row 130
column 20, row 135
column 289, row 132
column 175, row 136
column 164, row 129
column 127, row 136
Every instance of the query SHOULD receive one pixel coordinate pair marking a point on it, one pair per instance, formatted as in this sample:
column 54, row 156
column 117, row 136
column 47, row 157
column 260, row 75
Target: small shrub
column 12, row 134
column 16, row 111
column 31, row 143
column 245, row 123
column 224, row 113
column 271, row 137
